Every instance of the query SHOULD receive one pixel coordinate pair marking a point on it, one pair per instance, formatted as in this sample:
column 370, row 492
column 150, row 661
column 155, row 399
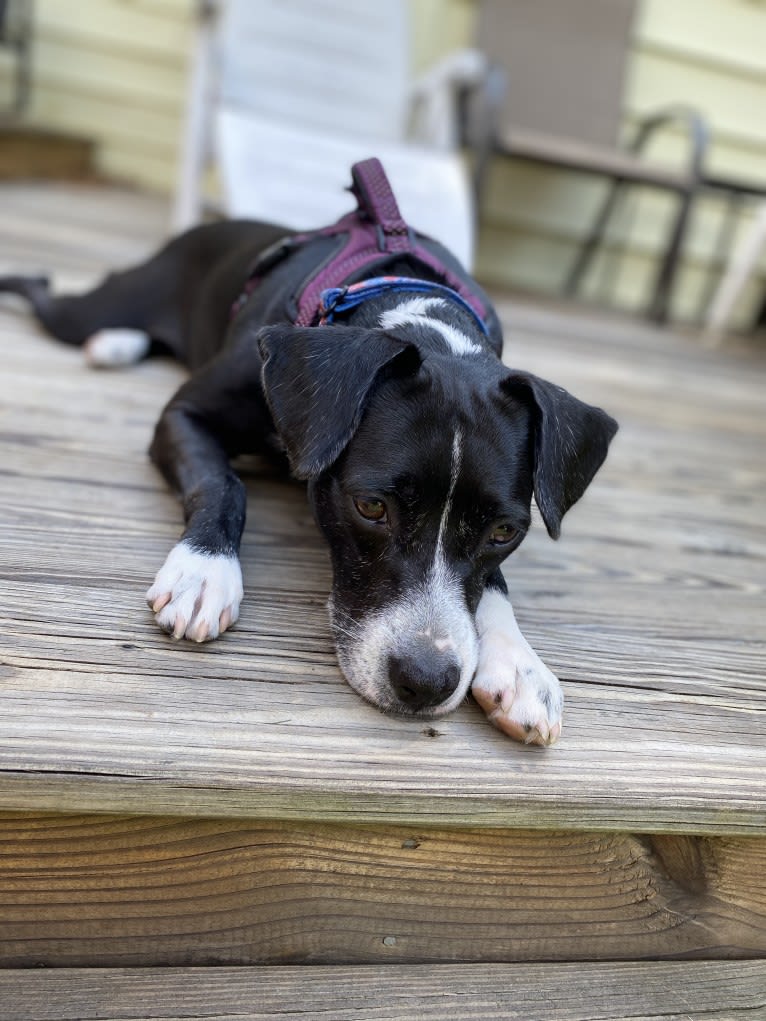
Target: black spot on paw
column 546, row 697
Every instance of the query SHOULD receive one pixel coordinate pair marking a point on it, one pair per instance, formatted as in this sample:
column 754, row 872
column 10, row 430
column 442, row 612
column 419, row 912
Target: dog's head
column 421, row 471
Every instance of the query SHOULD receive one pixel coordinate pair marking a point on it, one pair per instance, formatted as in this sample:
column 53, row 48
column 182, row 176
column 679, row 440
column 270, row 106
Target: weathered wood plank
column 656, row 991
column 650, row 609
column 114, row 891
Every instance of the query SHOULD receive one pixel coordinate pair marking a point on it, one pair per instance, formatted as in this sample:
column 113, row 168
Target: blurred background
column 557, row 114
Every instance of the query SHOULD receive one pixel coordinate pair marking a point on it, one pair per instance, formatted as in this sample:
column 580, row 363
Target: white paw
column 111, row 349
column 513, row 686
column 196, row 595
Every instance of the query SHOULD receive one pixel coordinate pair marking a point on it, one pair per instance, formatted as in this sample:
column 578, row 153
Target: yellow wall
column 116, row 70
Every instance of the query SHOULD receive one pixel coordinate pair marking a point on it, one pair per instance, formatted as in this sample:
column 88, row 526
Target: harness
column 368, row 239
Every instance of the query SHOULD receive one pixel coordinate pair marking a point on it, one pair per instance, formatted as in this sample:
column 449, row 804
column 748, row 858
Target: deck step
column 651, row 610
column 237, row 803
column 653, row 622
column 35, row 153
column 665, row 725
column 568, row 992
column 125, row 891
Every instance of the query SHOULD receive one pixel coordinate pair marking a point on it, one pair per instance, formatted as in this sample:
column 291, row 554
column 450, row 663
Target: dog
column 366, row 357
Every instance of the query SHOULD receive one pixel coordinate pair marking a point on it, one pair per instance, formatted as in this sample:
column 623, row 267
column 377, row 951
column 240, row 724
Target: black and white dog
column 421, row 450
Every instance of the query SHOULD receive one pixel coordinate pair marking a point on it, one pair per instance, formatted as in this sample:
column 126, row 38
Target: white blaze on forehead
column 455, row 465
column 414, row 311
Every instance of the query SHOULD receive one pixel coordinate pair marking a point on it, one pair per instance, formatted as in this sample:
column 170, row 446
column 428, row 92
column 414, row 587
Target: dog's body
column 421, row 450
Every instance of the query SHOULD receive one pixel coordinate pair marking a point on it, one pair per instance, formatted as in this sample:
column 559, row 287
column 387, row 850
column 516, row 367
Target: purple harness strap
column 374, row 196
column 375, row 230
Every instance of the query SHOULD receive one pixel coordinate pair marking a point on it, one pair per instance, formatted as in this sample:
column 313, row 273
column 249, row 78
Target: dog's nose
column 423, row 682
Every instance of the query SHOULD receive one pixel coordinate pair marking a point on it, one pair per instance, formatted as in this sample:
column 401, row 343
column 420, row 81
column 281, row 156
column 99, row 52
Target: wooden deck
column 236, row 803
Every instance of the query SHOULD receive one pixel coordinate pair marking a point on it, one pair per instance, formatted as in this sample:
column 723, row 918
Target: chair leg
column 733, row 204
column 659, row 306
column 741, row 265
column 623, row 214
column 594, row 239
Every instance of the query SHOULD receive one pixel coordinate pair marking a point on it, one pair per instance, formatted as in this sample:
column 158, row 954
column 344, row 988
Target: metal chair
column 564, row 65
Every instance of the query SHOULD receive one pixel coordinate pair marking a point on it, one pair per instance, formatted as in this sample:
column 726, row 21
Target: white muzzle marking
column 433, row 610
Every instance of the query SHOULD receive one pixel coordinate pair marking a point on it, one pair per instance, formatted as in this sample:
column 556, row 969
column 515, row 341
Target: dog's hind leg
column 117, row 320
column 159, row 302
column 114, row 321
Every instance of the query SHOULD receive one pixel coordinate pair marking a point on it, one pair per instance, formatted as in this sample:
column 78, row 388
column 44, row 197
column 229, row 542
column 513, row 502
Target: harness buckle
column 330, row 298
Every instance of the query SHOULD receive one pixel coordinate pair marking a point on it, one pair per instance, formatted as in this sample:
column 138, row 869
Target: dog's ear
column 571, row 440
column 317, row 382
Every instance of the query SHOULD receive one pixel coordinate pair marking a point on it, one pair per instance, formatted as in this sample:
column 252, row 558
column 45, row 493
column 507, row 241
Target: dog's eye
column 503, row 535
column 371, row 509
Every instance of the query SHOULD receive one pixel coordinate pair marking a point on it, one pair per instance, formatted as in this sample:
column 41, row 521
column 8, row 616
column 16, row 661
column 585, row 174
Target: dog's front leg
column 513, row 686
column 197, row 591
